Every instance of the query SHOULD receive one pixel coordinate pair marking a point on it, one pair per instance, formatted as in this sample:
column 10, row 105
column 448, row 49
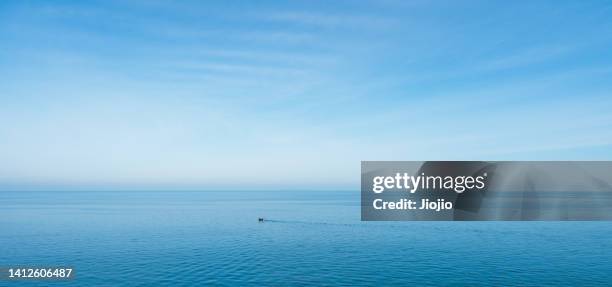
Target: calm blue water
column 313, row 238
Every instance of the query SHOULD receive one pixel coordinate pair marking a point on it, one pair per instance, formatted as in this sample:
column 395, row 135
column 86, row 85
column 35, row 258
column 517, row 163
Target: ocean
column 185, row 238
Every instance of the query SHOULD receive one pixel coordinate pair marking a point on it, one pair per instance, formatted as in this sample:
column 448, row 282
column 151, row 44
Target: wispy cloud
column 331, row 20
column 526, row 57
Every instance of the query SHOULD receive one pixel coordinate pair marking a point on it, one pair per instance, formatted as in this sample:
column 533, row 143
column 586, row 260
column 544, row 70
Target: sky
column 293, row 94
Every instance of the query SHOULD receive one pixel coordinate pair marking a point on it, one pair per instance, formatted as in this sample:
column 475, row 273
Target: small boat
column 261, row 219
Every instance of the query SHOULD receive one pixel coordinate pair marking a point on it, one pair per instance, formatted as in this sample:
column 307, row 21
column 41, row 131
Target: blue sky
column 293, row 94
